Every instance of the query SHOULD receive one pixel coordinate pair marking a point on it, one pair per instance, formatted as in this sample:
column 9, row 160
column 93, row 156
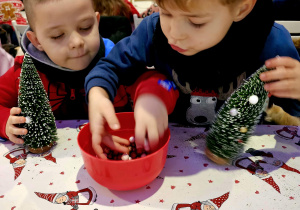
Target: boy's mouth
column 178, row 49
column 78, row 54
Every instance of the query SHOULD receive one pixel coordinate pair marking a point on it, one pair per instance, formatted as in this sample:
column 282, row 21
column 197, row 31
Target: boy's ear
column 243, row 9
column 98, row 16
column 33, row 39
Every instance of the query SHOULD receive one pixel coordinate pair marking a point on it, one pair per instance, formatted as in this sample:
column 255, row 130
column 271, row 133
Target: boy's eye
column 197, row 25
column 57, row 37
column 86, row 28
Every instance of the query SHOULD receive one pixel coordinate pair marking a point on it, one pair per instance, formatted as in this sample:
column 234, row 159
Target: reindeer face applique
column 202, row 107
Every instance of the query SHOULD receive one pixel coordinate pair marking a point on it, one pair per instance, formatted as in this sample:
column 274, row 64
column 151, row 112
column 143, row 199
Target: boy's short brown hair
column 185, row 4
column 29, row 10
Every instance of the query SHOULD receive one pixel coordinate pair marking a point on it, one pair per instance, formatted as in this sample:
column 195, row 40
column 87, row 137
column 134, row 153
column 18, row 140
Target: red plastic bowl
column 118, row 174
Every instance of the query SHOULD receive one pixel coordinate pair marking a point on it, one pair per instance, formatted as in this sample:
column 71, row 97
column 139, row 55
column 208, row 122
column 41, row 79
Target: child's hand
column 285, row 77
column 12, row 131
column 101, row 110
column 151, row 119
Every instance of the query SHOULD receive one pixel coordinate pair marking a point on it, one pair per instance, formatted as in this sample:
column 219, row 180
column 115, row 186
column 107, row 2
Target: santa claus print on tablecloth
column 70, row 197
column 289, row 133
column 211, row 204
column 254, row 168
column 49, row 157
column 80, row 127
column 270, row 159
column 17, row 157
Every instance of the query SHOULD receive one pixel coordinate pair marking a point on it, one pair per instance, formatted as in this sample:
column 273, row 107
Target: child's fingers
column 16, row 131
column 17, row 120
column 111, row 118
column 287, row 84
column 159, row 133
column 11, row 130
column 164, row 127
column 153, row 136
column 283, row 89
column 15, row 111
column 16, row 140
column 281, row 61
column 285, row 94
column 120, row 140
column 117, row 143
column 97, row 130
column 140, row 135
column 280, row 73
column 97, row 147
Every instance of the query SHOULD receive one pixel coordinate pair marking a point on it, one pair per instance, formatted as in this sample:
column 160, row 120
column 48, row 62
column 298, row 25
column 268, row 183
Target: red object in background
column 123, row 175
column 133, row 9
column 10, row 10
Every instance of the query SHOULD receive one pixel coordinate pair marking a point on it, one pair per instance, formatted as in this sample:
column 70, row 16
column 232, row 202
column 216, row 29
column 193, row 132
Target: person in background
column 116, row 8
column 7, row 61
column 116, row 20
column 208, row 48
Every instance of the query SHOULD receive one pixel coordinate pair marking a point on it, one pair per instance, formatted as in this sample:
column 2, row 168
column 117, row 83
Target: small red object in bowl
column 118, row 174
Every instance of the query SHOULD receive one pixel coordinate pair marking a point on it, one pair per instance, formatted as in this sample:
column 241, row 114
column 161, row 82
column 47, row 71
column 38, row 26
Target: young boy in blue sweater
column 64, row 43
column 208, row 48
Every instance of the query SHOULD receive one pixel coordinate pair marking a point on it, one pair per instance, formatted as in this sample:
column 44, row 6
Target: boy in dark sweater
column 208, row 48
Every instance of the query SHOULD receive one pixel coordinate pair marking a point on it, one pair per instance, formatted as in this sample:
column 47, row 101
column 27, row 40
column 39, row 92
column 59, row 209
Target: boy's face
column 202, row 27
column 67, row 31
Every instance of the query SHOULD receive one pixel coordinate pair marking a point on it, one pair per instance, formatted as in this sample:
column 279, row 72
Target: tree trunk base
column 215, row 158
column 41, row 149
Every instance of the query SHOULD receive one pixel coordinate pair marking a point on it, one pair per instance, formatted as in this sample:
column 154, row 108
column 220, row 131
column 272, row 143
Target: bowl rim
column 119, row 161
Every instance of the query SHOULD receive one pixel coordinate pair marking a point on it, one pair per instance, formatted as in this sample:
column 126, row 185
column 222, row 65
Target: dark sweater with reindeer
column 204, row 80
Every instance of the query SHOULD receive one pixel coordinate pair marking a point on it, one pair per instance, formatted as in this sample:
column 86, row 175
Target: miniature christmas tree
column 35, row 106
column 236, row 120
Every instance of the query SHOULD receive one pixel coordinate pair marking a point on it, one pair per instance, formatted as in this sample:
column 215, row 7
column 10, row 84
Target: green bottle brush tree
column 236, row 120
column 35, row 106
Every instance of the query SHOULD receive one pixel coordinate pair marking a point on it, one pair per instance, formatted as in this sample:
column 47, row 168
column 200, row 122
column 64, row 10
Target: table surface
column 188, row 178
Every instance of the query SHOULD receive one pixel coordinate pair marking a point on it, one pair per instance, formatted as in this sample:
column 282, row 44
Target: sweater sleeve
column 126, row 61
column 157, row 84
column 9, row 93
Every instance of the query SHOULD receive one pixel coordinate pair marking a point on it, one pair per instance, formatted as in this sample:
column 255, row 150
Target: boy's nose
column 177, row 30
column 76, row 40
